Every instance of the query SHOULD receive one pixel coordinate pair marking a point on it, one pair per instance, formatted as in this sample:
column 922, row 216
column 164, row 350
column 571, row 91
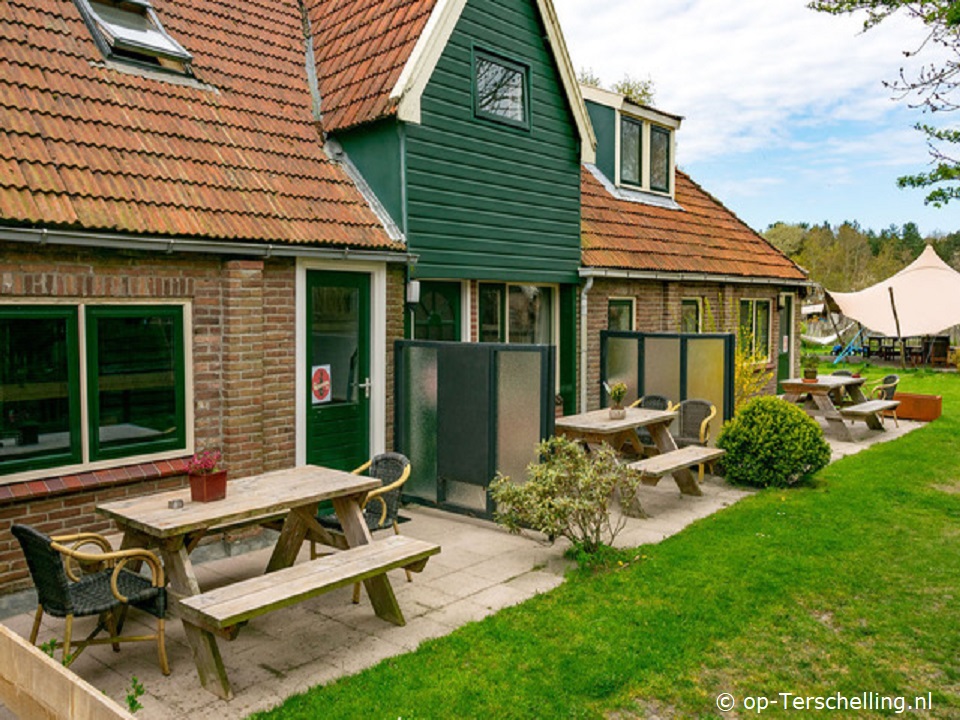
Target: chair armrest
column 383, row 504
column 392, row 486
column 116, row 559
column 77, row 541
column 705, row 425
column 362, row 468
column 637, row 402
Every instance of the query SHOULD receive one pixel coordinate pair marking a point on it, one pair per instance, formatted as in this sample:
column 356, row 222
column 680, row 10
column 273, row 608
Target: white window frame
column 753, row 321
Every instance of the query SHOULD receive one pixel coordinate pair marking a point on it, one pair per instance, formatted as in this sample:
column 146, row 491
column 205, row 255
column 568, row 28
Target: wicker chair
column 884, row 390
column 392, row 469
column 99, row 585
column 693, row 426
column 837, row 394
column 650, row 402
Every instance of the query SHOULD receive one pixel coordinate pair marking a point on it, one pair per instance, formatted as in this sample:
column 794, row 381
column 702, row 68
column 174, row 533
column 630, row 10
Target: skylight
column 130, row 30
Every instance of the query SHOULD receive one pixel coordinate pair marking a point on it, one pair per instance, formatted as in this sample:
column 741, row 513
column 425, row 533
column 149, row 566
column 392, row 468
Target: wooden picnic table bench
column 653, row 468
column 871, row 409
column 223, row 609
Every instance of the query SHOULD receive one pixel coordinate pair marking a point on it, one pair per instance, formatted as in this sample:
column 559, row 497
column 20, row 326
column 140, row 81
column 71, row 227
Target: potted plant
column 207, row 481
column 617, row 393
column 810, row 363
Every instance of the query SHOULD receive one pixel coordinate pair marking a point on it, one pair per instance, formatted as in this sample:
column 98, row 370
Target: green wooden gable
column 478, row 198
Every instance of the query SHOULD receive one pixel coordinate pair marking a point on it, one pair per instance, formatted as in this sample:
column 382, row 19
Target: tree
column 639, row 92
column 936, row 85
column 587, row 76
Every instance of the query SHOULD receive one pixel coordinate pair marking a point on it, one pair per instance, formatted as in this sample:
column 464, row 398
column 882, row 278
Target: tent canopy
column 926, row 294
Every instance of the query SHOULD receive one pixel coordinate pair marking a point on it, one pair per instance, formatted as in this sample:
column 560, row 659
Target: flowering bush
column 204, row 463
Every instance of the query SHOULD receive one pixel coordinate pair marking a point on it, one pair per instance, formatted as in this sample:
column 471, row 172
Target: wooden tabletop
column 272, row 492
column 599, row 421
column 824, row 381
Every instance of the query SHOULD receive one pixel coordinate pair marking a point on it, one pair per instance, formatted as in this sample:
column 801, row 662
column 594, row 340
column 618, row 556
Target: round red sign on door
column 321, row 384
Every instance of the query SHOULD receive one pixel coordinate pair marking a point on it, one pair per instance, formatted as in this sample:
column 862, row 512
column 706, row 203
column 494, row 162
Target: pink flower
column 204, row 463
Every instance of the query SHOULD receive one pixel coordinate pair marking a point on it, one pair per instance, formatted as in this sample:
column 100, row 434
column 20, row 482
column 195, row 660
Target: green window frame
column 755, row 323
column 691, row 315
column 620, row 314
column 659, row 159
column 39, row 401
column 501, row 89
column 125, row 373
column 631, row 151
column 142, row 389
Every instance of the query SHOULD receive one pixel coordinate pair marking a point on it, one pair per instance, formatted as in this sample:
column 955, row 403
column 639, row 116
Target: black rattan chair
column 693, row 425
column 381, row 507
column 650, row 402
column 885, row 390
column 101, row 584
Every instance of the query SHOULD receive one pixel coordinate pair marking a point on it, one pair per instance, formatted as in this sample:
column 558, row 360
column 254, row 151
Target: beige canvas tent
column 921, row 299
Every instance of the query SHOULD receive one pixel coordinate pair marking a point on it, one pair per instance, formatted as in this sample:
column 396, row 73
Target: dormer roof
column 231, row 154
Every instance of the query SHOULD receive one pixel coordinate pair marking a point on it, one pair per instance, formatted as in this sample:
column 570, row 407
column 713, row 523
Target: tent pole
column 903, row 357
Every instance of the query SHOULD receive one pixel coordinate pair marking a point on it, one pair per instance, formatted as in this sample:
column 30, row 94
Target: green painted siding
column 376, row 151
column 604, row 120
column 489, row 200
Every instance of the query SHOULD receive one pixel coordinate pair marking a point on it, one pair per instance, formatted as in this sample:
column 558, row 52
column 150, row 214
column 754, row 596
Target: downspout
column 583, row 343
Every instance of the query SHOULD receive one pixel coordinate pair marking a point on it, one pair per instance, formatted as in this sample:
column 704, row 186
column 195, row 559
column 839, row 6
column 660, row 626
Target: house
column 660, row 254
column 179, row 258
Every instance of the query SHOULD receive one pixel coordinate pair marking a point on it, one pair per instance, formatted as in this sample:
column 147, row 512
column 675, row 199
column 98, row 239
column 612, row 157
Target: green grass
column 850, row 584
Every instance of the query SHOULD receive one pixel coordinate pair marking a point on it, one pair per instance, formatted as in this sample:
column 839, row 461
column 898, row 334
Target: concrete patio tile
column 415, row 632
column 462, row 612
column 499, row 597
column 460, row 584
column 535, row 583
column 366, row 653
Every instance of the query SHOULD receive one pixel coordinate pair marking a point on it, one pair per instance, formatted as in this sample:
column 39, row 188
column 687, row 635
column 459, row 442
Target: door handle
column 365, row 386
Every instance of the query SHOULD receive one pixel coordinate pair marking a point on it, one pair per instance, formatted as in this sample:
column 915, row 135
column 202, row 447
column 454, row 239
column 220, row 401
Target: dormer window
column 129, row 30
column 644, row 155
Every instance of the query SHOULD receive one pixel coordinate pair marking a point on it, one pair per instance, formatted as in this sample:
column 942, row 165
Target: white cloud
column 746, row 74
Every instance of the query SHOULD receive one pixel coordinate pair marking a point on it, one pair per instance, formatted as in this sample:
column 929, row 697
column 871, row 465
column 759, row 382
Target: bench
column 653, row 468
column 870, row 409
column 222, row 609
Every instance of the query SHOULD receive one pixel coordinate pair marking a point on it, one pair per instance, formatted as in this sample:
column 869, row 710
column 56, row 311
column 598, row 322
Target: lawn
column 849, row 585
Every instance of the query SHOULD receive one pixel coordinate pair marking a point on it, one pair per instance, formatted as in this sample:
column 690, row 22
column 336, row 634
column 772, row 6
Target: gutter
column 591, row 273
column 116, row 241
column 583, row 341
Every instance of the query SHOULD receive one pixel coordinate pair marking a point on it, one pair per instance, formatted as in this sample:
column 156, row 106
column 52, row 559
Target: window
column 132, row 399
column 620, row 314
column 690, row 316
column 755, row 327
column 500, row 90
column 130, row 30
column 516, row 314
column 631, row 151
column 659, row 159
column 437, row 315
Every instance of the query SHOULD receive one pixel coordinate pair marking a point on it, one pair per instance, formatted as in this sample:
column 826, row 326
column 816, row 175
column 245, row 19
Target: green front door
column 338, row 369
column 784, row 366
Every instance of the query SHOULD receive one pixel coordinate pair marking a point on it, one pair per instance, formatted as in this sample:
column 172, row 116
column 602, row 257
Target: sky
column 786, row 117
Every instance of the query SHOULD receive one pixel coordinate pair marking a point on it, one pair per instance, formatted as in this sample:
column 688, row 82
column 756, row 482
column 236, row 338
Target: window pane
column 499, row 90
column 137, row 379
column 437, row 315
column 620, row 315
column 762, row 337
column 530, row 315
column 491, row 313
column 335, row 325
column 131, row 28
column 659, row 159
column 37, row 405
column 629, row 152
column 746, row 324
column 689, row 316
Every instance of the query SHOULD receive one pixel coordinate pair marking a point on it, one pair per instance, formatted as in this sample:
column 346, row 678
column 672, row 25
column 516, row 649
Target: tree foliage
column 639, row 92
column 936, row 86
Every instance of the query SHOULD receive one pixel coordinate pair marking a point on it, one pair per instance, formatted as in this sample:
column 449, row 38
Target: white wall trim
column 378, row 349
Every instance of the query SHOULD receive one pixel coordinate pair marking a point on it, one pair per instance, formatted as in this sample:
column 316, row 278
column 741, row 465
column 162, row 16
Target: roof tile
column 233, row 156
column 701, row 237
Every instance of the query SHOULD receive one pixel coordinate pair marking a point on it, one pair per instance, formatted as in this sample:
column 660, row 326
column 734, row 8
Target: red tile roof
column 235, row 156
column 702, row 237
column 361, row 48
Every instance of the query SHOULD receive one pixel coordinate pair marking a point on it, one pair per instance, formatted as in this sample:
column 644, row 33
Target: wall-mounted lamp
column 413, row 293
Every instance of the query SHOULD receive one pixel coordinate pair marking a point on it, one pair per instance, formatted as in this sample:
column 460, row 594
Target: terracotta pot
column 207, row 487
column 810, row 380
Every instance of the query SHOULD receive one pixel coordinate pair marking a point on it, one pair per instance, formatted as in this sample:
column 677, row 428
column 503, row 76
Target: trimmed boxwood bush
column 771, row 443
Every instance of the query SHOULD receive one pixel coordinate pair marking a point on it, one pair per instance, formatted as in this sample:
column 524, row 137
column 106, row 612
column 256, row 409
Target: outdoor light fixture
column 413, row 293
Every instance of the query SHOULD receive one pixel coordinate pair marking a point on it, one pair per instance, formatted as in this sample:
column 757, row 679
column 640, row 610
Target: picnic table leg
column 873, row 420
column 665, row 443
column 356, row 532
column 832, row 415
column 206, row 653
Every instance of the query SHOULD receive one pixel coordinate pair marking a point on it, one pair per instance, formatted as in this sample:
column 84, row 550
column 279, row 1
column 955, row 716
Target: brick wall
column 657, row 307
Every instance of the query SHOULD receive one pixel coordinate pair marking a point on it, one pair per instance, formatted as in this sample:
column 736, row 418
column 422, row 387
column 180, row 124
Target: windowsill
column 50, row 483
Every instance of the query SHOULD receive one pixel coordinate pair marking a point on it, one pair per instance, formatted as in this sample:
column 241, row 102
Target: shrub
column 771, row 443
column 566, row 495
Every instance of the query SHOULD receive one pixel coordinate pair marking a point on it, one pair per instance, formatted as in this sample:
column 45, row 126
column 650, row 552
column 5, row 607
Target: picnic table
column 820, row 397
column 596, row 426
column 290, row 496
